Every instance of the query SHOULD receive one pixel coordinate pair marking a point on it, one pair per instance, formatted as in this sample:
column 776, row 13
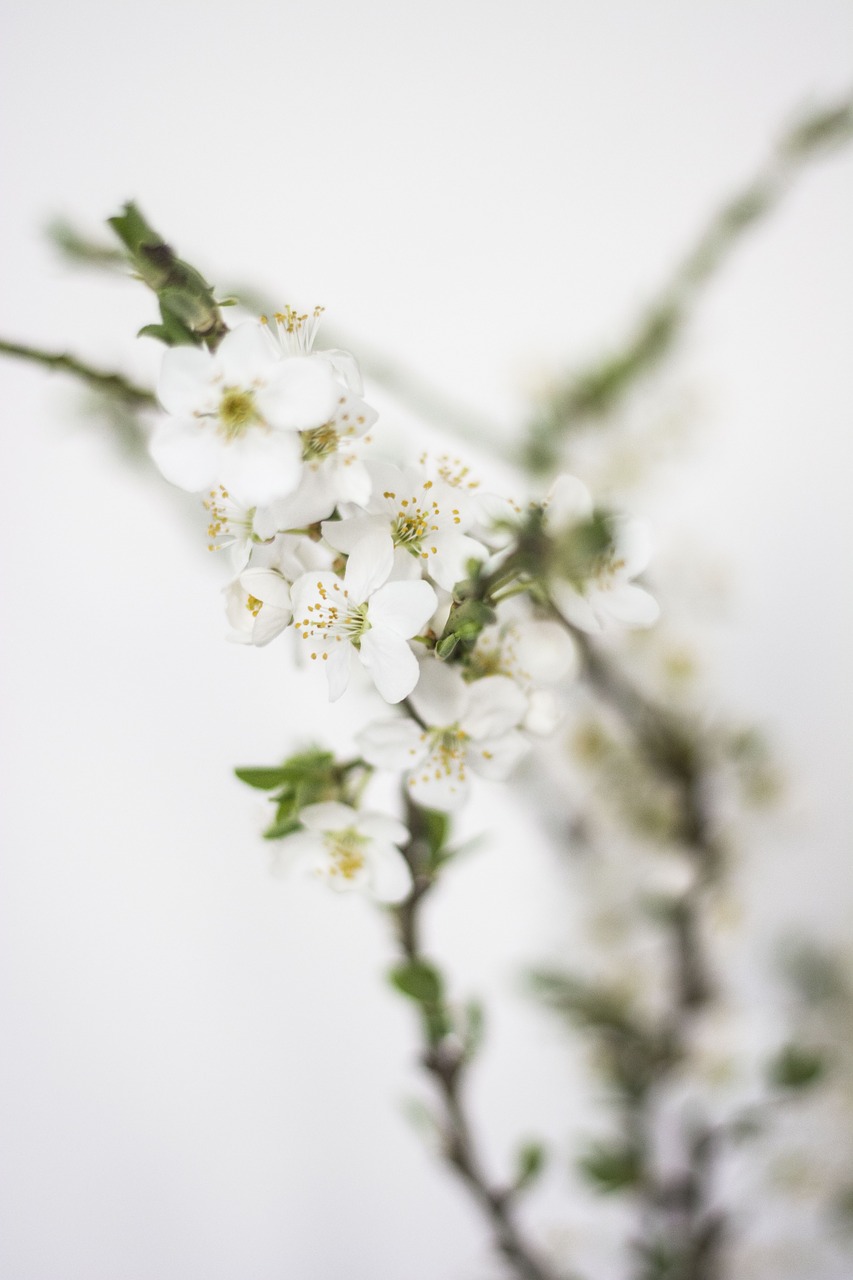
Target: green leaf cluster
column 306, row 778
column 189, row 312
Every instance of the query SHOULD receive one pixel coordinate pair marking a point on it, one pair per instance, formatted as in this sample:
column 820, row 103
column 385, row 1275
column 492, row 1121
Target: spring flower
column 258, row 606
column 425, row 520
column 608, row 594
column 364, row 614
column 235, row 415
column 235, row 528
column 465, row 727
column 533, row 652
column 350, row 850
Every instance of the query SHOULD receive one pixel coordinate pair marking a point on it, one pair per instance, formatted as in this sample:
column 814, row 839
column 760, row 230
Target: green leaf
column 280, row 828
column 419, row 981
column 529, row 1164
column 263, row 779
column 797, row 1067
column 611, row 1166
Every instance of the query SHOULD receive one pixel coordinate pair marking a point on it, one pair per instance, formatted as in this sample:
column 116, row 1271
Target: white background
column 203, row 1071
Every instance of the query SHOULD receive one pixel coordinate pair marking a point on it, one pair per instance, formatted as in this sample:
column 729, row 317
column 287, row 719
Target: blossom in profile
column 235, row 415
column 258, row 606
column 464, row 728
column 349, row 850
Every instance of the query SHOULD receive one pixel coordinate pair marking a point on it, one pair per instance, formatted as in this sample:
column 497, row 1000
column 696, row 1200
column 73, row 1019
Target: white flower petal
column 328, row 815
column 544, row 713
column 390, row 877
column 245, row 356
column 495, row 758
column 495, row 704
column 393, row 744
column 633, row 544
column 546, row 651
column 368, row 566
column 186, row 381
column 630, row 605
column 269, row 623
column 353, row 418
column 268, row 586
column 337, row 667
column 574, row 607
column 188, row 453
column 345, row 535
column 568, row 502
column 447, row 564
column 441, row 694
column 383, row 828
column 351, row 480
column 312, row 500
column 296, row 850
column 260, row 466
column 345, row 367
column 403, row 607
column 300, row 394
column 391, row 663
column 436, row 787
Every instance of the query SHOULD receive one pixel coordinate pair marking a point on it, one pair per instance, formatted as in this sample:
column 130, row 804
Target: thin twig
column 104, row 380
column 446, row 1063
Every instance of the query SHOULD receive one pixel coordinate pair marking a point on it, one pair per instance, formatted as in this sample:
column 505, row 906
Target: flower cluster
column 409, row 572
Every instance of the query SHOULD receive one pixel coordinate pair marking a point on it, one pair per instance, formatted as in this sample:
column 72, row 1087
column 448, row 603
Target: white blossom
column 364, row 614
column 258, row 606
column 349, row 850
column 424, row 520
column 465, row 727
column 608, row 594
column 533, row 652
column 235, row 415
column 235, row 528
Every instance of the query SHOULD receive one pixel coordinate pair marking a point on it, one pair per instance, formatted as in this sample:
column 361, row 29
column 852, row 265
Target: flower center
column 346, row 851
column 447, row 751
column 414, row 519
column 254, row 605
column 237, row 412
column 333, row 617
column 319, row 443
column 295, row 332
column 606, row 569
column 228, row 523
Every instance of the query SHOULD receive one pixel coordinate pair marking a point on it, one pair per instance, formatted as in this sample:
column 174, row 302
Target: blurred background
column 204, row 1070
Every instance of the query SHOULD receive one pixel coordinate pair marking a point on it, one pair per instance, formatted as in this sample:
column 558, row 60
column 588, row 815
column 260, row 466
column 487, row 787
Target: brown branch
column 446, row 1062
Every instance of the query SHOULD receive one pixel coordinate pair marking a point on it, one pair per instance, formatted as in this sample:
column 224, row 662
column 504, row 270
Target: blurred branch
column 596, row 389
column 110, row 383
column 683, row 1229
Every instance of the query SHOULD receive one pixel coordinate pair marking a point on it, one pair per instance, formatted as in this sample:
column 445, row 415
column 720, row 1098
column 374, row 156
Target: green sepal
column 188, row 309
